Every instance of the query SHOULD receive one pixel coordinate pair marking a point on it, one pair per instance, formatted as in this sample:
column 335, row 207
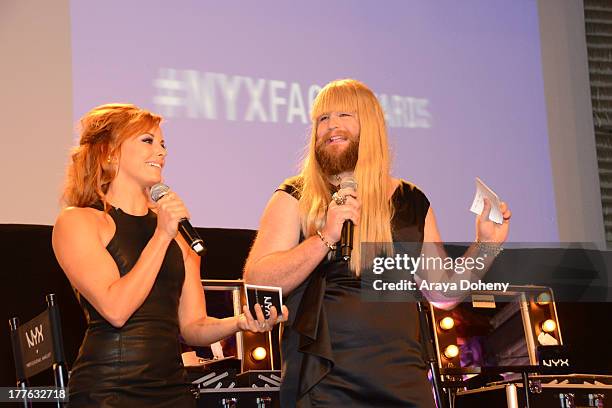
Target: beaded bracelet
column 327, row 243
column 489, row 248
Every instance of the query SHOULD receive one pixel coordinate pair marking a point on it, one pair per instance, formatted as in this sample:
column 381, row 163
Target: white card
column 482, row 191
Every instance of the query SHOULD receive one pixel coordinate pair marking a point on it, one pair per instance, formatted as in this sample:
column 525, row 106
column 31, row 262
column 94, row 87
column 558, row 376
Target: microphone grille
column 158, row 191
column 348, row 182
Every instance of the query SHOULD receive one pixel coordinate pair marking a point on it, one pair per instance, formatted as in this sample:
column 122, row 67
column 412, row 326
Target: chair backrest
column 38, row 345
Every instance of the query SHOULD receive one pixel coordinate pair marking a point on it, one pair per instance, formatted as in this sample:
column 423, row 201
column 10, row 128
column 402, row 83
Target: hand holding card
column 265, row 296
column 492, row 224
column 264, row 308
column 483, row 191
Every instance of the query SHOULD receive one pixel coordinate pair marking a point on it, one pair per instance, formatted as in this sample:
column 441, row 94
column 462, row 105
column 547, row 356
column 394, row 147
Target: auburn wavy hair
column 371, row 172
column 92, row 164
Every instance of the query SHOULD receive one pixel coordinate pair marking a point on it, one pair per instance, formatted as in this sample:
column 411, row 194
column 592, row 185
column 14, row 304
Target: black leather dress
column 339, row 351
column 140, row 363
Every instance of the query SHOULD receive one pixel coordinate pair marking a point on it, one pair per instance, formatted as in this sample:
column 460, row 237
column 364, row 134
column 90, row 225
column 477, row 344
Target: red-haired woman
column 136, row 279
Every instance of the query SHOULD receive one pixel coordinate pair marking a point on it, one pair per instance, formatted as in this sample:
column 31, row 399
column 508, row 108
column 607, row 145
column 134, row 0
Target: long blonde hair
column 102, row 131
column 371, row 172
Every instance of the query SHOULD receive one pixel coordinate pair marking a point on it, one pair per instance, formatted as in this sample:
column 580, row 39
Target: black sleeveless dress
column 140, row 363
column 339, row 351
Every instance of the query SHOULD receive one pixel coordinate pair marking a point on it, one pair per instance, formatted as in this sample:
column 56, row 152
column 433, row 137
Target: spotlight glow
column 447, row 323
column 259, row 353
column 451, row 351
column 549, row 326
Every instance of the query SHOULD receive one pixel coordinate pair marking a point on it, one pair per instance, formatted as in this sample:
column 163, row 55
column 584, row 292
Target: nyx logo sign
column 559, row 362
column 35, row 336
column 267, row 305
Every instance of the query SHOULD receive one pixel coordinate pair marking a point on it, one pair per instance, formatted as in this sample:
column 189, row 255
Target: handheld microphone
column 346, row 236
column 187, row 231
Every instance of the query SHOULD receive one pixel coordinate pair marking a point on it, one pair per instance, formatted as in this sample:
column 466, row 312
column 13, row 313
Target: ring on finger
column 263, row 325
column 339, row 199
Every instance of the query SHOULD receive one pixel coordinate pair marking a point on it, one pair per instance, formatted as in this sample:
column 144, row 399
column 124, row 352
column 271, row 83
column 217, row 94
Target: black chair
column 37, row 346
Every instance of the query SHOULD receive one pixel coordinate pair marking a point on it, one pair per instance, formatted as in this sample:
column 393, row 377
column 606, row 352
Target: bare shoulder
column 74, row 221
column 279, row 227
column 281, row 215
column 74, row 216
column 283, row 202
column 77, row 216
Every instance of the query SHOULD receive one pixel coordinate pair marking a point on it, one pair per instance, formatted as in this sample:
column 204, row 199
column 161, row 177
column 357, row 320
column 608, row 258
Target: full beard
column 335, row 163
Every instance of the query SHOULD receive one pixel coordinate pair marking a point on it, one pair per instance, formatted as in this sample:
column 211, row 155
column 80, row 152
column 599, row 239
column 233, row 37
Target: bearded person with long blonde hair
column 337, row 349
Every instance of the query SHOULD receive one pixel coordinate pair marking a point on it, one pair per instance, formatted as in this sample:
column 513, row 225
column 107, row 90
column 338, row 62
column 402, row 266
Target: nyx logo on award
column 266, row 296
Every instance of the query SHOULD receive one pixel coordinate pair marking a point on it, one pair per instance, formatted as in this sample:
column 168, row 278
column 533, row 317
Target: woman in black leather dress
column 136, row 279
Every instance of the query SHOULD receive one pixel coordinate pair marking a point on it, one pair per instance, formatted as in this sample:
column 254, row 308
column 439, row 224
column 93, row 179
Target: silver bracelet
column 329, row 245
column 489, row 248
